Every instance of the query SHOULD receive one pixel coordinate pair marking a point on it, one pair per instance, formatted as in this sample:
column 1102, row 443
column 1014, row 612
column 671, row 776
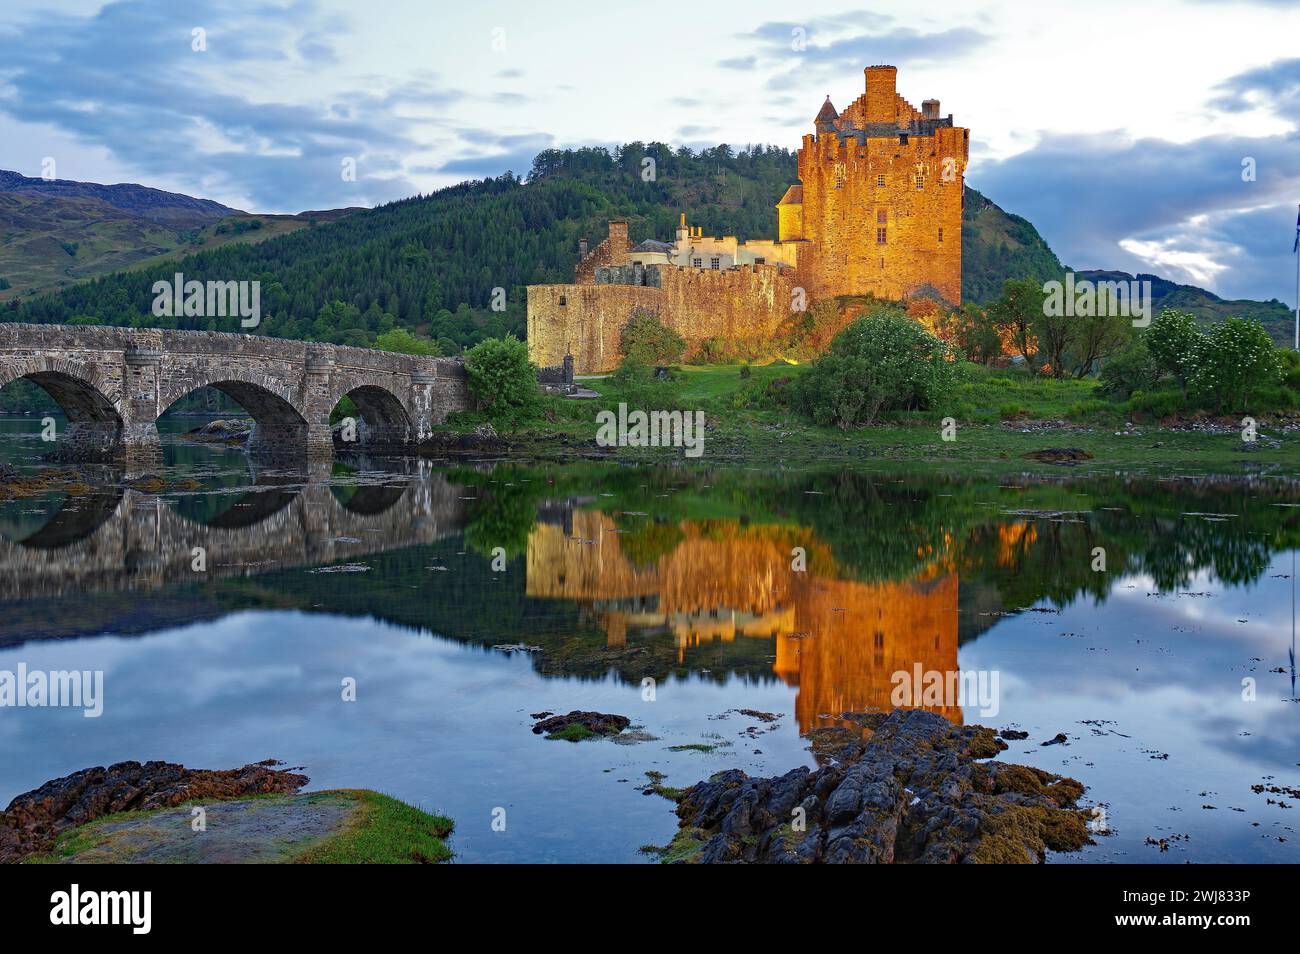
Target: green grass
column 384, row 831
column 573, row 733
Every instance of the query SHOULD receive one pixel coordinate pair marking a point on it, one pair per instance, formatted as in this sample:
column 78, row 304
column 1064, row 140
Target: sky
column 1159, row 136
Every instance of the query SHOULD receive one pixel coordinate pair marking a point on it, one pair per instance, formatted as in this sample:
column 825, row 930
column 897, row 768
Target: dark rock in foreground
column 1059, row 455
column 34, row 820
column 912, row 791
column 578, row 725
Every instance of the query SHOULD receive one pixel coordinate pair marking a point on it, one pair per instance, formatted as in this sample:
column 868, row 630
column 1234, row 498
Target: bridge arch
column 90, row 401
column 279, row 428
column 387, row 420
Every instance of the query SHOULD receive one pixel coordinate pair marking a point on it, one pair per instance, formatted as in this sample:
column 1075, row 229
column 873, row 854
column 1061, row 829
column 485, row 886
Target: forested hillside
column 430, row 263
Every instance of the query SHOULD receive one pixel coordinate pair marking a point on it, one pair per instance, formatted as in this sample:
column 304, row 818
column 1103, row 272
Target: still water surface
column 614, row 575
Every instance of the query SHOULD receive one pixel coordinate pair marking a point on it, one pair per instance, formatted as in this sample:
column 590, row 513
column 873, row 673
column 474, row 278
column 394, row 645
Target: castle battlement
column 877, row 211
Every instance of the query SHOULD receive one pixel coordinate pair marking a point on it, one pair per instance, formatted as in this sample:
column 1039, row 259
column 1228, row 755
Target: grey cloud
column 1087, row 193
column 127, row 79
column 1276, row 86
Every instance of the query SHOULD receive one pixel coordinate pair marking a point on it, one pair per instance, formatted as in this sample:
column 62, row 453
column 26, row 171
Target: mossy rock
column 343, row 826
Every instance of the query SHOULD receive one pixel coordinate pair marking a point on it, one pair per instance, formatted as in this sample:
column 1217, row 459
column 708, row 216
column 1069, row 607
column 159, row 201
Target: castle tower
column 881, row 199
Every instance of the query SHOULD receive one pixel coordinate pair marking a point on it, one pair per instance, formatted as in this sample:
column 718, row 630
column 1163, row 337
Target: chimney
column 618, row 243
column 882, row 82
column 582, row 247
column 930, row 109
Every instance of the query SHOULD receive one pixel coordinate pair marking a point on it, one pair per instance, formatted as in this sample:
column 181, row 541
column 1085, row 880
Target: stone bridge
column 114, row 383
column 126, row 540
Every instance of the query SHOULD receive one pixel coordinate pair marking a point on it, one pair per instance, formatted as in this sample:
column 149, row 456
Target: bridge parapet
column 113, row 384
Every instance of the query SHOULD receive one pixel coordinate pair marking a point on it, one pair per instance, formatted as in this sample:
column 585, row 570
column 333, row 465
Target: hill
column 55, row 234
column 1275, row 316
column 171, row 209
column 430, row 262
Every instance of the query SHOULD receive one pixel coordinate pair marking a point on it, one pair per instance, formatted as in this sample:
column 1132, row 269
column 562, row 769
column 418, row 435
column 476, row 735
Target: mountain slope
column 1275, row 316
column 431, row 262
column 165, row 208
column 54, row 234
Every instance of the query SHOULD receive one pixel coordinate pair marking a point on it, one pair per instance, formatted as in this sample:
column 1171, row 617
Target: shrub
column 881, row 362
column 1235, row 359
column 637, row 385
column 1174, row 342
column 403, row 342
column 501, row 378
column 1133, row 369
column 646, row 340
column 971, row 331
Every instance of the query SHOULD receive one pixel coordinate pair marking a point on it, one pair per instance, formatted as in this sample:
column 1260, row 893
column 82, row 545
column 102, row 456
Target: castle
column 877, row 211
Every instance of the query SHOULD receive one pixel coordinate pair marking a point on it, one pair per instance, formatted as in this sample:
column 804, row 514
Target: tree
column 1015, row 313
column 501, row 378
column 1096, row 338
column 1175, row 341
column 970, row 330
column 883, row 361
column 403, row 342
column 1132, row 369
column 645, row 340
column 1236, row 358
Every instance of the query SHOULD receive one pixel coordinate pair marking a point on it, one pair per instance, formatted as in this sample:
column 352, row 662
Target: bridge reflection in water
column 838, row 640
column 125, row 539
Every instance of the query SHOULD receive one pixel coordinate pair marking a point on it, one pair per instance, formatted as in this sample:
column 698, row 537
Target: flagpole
column 1296, row 251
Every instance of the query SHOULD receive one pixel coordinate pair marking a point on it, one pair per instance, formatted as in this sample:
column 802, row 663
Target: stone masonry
column 113, row 383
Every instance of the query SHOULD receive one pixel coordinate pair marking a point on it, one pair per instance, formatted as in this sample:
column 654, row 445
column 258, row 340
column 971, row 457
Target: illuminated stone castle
column 877, row 212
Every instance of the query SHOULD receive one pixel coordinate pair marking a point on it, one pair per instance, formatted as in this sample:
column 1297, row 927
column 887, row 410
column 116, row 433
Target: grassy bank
column 1000, row 416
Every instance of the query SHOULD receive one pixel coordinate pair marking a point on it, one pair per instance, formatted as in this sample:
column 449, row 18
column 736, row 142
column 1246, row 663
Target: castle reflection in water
column 839, row 641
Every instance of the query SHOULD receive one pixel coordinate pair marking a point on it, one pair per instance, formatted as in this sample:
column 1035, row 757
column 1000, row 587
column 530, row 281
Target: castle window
column 920, row 182
column 564, row 299
column 882, row 217
column 941, row 236
column 880, row 182
column 760, row 260
column 697, row 262
column 715, row 263
column 880, row 236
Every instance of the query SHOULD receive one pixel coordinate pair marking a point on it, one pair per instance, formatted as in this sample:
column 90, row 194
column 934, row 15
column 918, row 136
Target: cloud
column 1275, row 87
column 1181, row 210
column 513, row 153
column 129, row 79
column 851, row 41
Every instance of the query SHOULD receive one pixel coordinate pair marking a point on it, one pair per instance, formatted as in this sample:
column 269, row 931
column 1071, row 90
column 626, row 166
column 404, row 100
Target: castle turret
column 826, row 118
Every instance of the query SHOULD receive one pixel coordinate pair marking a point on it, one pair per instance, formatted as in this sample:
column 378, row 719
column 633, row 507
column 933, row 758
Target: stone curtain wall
column 743, row 306
column 113, row 383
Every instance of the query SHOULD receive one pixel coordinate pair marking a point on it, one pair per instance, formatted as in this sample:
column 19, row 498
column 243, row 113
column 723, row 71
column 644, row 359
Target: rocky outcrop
column 222, row 432
column 34, row 820
column 483, row 439
column 909, row 787
column 577, row 725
